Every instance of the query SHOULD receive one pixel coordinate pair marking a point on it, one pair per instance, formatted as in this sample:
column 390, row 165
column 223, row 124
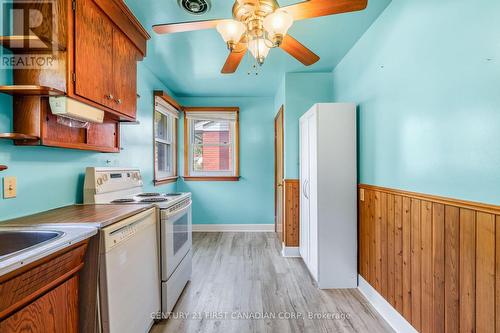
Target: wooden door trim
column 280, row 113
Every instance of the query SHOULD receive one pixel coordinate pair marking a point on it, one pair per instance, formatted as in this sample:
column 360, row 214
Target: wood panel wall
column 435, row 260
column 291, row 228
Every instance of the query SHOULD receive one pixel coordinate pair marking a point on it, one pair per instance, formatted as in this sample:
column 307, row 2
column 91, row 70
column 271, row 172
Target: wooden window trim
column 236, row 177
column 175, row 145
column 169, row 99
column 212, row 178
column 164, row 181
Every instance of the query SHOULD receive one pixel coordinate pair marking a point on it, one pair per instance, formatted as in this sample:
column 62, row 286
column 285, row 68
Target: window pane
column 161, row 126
column 212, row 132
column 164, row 158
column 212, row 158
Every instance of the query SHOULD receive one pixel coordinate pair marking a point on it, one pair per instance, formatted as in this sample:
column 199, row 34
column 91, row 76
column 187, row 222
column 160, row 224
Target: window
column 211, row 144
column 165, row 141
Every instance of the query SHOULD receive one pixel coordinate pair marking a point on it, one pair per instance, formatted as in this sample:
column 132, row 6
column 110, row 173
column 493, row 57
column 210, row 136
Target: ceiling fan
column 259, row 25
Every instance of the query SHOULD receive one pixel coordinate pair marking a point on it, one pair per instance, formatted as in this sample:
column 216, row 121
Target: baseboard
column 393, row 318
column 290, row 251
column 233, row 227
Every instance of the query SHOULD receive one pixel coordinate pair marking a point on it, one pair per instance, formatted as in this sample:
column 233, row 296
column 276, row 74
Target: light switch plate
column 9, row 187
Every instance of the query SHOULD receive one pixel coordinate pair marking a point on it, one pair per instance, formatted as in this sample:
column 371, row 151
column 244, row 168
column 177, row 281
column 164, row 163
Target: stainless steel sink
column 14, row 241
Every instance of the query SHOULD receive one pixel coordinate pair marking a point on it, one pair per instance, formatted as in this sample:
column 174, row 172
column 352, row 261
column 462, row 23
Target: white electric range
column 125, row 186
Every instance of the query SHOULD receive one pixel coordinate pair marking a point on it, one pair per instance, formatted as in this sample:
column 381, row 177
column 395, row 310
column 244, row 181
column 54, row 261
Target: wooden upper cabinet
column 124, row 76
column 105, row 58
column 93, row 53
column 97, row 44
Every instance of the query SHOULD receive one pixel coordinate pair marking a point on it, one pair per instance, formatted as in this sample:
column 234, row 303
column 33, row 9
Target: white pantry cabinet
column 328, row 194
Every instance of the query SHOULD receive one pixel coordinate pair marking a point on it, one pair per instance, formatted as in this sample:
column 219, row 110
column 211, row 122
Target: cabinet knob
column 118, row 100
column 109, row 96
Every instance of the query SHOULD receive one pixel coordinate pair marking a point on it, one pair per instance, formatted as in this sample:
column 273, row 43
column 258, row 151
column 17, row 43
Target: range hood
column 71, row 108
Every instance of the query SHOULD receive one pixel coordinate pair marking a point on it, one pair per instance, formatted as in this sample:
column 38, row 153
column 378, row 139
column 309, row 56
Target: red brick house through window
column 214, row 153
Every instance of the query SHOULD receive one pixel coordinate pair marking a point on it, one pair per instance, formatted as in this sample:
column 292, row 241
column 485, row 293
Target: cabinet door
column 124, row 74
column 93, row 53
column 55, row 312
column 304, row 178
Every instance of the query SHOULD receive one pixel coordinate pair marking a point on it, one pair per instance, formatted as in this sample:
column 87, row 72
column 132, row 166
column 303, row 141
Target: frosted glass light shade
column 278, row 23
column 258, row 49
column 231, row 31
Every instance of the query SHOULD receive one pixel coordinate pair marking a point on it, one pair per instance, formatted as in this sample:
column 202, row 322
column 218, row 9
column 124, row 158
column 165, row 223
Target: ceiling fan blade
column 294, row 48
column 170, row 28
column 233, row 60
column 318, row 8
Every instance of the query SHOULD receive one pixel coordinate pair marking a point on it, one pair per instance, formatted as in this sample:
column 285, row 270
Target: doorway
column 278, row 173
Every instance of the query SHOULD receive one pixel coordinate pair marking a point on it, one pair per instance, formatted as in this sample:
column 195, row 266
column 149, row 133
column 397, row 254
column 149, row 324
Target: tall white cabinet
column 328, row 194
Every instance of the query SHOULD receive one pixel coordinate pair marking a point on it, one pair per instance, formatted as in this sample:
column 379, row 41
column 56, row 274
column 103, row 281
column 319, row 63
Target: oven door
column 176, row 241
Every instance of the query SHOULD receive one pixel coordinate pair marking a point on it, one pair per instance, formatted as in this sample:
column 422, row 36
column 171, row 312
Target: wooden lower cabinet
column 43, row 297
column 54, row 312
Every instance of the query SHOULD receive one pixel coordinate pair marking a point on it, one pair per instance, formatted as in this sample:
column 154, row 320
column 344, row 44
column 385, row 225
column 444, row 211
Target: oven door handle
column 178, row 212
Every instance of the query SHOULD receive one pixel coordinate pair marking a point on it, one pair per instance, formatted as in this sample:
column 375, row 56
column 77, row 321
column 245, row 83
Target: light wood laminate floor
column 239, row 275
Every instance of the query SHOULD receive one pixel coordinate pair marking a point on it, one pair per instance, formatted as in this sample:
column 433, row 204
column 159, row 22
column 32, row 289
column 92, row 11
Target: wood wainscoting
column 291, row 227
column 435, row 260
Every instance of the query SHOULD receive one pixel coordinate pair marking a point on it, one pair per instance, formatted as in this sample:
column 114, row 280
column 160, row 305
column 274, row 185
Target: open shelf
column 18, row 136
column 30, row 90
column 30, row 43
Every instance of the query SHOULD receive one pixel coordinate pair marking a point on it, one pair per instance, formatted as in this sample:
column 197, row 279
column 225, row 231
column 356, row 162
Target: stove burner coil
column 148, row 194
column 154, row 199
column 123, row 201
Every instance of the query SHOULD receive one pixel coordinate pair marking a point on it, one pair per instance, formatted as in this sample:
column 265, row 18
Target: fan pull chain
column 255, row 68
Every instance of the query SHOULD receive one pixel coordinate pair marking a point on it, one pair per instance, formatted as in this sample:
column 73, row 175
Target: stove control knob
column 105, row 177
column 99, row 181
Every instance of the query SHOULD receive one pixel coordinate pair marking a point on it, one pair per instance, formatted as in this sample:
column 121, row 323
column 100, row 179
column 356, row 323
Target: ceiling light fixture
column 231, row 32
column 277, row 25
column 261, row 27
column 259, row 49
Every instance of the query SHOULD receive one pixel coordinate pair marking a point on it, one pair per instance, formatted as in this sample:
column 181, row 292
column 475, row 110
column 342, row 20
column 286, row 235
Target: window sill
column 165, row 181
column 212, row 178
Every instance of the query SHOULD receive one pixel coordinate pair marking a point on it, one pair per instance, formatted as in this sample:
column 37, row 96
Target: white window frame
column 167, row 110
column 212, row 114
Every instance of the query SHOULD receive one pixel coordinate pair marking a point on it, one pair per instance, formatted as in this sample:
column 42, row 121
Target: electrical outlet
column 9, row 187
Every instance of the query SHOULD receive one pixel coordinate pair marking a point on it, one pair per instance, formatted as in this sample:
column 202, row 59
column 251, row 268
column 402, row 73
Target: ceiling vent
column 196, row 7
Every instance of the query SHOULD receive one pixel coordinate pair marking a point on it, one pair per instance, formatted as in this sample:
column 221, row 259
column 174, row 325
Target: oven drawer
column 172, row 289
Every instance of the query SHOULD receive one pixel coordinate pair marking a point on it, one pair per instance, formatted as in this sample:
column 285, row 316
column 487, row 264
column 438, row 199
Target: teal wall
column 53, row 177
column 301, row 91
column 250, row 200
column 426, row 76
column 279, row 97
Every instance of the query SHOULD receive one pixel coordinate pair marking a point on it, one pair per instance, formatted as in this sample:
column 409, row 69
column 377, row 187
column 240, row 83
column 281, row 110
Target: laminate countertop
column 98, row 216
